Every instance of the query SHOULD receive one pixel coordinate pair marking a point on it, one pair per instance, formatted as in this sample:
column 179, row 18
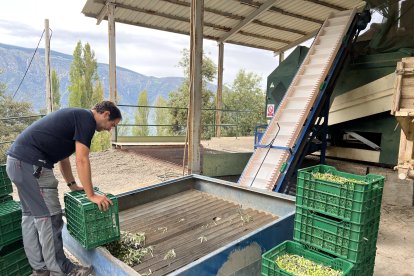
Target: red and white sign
column 270, row 110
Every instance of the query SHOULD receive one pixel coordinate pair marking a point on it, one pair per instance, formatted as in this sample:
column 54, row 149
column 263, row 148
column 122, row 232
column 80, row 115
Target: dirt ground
column 117, row 171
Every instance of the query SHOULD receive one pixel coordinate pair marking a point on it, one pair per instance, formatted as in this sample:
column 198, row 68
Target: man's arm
column 83, row 167
column 66, row 170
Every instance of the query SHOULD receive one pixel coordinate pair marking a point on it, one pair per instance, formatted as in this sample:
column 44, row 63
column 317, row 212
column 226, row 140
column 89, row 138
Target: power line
column 27, row 69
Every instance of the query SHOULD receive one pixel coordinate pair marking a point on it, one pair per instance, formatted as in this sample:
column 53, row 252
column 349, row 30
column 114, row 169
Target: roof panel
column 260, row 43
column 230, row 6
column 305, row 8
column 269, row 32
column 283, row 23
column 290, row 22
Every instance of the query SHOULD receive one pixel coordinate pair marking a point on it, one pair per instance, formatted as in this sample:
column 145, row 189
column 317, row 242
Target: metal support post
column 324, row 131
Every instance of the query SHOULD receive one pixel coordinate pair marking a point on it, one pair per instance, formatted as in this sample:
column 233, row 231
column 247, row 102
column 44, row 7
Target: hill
column 14, row 61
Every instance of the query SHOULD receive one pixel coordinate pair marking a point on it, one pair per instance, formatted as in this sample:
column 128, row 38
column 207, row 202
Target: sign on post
column 270, row 110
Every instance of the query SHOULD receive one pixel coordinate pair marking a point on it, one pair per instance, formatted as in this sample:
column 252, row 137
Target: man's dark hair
column 114, row 112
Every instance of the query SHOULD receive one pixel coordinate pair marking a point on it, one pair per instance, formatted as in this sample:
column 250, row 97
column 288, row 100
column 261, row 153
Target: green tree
column 76, row 87
column 141, row 115
column 244, row 94
column 162, row 117
column 85, row 88
column 180, row 97
column 10, row 128
column 55, row 90
column 124, row 130
column 101, row 140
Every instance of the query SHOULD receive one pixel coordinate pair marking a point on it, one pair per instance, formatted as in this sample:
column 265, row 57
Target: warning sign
column 270, row 110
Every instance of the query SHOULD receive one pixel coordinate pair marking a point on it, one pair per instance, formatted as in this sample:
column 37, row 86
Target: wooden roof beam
column 299, row 41
column 187, row 20
column 260, row 9
column 166, row 29
column 264, row 37
column 281, row 11
column 103, row 12
column 328, row 5
column 238, row 17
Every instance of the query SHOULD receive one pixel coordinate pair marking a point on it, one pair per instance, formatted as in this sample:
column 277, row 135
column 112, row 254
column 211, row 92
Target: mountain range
column 14, row 61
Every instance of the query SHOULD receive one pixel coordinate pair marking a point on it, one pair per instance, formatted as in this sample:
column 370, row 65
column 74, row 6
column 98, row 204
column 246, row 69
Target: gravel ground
column 117, row 171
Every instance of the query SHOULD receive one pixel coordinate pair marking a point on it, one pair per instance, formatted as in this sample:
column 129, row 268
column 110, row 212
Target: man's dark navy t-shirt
column 52, row 138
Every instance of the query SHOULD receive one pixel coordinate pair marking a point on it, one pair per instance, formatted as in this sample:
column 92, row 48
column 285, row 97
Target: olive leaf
column 130, row 248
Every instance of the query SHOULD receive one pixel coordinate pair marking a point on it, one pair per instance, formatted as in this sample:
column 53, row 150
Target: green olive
column 300, row 266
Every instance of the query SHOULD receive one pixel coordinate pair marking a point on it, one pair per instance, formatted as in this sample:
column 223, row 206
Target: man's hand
column 102, row 201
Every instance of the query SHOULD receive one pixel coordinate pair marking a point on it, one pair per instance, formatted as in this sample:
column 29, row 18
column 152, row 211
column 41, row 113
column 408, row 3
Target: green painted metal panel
column 279, row 80
column 224, row 164
column 367, row 68
column 382, row 123
column 358, row 71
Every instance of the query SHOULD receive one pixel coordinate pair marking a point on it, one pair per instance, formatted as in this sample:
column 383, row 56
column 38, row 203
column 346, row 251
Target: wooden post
column 397, row 87
column 196, row 36
column 112, row 53
column 219, row 96
column 49, row 98
column 281, row 57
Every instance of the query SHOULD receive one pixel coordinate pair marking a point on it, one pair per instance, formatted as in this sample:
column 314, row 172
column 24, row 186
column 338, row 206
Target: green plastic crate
column 13, row 260
column 350, row 241
column 10, row 222
column 87, row 224
column 6, row 198
column 5, row 182
column 357, row 203
column 270, row 268
column 365, row 267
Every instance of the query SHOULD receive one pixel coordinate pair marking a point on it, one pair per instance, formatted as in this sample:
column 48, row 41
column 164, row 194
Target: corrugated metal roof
column 285, row 24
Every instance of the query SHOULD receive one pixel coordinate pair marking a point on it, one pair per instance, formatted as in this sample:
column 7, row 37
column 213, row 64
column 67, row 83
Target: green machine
column 279, row 80
column 380, row 129
column 374, row 56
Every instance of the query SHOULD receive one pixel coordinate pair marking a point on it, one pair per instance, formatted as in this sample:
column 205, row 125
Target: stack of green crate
column 5, row 183
column 13, row 260
column 339, row 213
column 87, row 224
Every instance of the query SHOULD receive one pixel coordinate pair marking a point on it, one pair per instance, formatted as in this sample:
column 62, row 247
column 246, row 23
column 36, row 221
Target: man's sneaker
column 41, row 272
column 81, row 271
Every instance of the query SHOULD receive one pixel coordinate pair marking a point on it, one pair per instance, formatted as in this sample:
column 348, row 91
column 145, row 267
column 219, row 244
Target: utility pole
column 112, row 53
column 49, row 98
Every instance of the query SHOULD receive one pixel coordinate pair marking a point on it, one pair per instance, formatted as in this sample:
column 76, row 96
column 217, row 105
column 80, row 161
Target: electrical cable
column 30, row 63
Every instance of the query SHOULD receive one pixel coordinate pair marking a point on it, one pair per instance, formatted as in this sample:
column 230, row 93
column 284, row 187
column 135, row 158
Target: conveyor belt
column 267, row 162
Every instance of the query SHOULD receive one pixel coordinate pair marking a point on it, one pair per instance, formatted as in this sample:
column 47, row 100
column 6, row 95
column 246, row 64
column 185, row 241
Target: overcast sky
column 146, row 51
